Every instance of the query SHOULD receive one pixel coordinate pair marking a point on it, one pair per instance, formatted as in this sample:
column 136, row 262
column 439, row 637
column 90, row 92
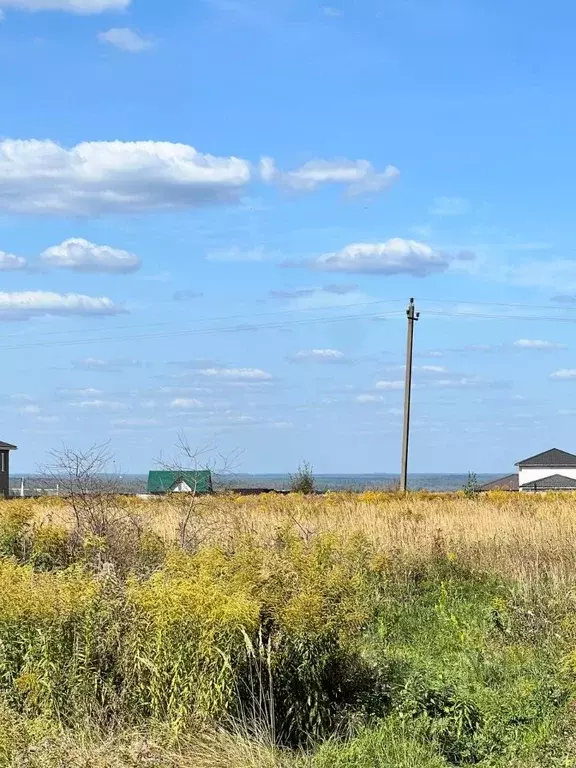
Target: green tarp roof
column 161, row 481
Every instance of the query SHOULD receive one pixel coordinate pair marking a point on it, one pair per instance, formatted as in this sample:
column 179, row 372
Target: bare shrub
column 194, row 518
column 104, row 525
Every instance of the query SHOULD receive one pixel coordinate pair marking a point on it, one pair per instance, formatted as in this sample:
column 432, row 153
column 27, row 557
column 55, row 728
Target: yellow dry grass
column 525, row 537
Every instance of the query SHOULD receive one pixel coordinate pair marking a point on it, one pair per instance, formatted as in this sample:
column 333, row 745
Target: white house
column 553, row 470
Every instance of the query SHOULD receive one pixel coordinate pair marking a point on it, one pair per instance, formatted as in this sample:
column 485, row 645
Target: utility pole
column 412, row 318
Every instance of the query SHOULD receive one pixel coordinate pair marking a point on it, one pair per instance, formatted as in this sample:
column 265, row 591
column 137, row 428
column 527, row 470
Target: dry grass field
column 366, row 630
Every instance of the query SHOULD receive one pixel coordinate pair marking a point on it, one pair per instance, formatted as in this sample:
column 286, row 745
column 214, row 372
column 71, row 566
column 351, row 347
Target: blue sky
column 213, row 214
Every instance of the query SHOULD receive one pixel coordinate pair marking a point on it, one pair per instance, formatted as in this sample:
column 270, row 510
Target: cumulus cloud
column 394, row 257
column 26, row 304
column 83, row 256
column 391, row 385
column 85, row 7
column 318, row 356
column 42, row 177
column 100, row 405
column 11, row 263
column 537, row 344
column 125, row 39
column 106, row 366
column 186, row 403
column 29, row 410
column 364, row 399
column 431, row 369
column 82, row 392
column 564, row 374
column 335, row 289
column 358, row 176
column 237, row 374
column 134, row 423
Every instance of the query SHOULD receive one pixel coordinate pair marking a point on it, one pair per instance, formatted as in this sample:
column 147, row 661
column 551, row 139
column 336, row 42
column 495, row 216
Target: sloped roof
column 551, row 458
column 508, row 483
column 554, row 482
column 7, row 446
column 162, row 481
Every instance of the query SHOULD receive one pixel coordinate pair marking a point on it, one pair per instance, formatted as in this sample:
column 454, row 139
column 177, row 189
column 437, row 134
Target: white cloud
column 369, row 399
column 73, row 6
column 449, row 206
column 135, row 422
column 537, row 344
column 237, row 374
column 431, row 369
column 26, row 304
column 107, row 366
column 393, row 385
column 2, row 15
column 126, row 39
column 394, row 257
column 41, row 177
column 83, row 256
column 100, row 405
column 319, row 356
column 458, row 382
column 29, row 410
column 236, row 254
column 185, row 403
column 11, row 263
column 86, row 392
column 358, row 176
column 21, row 397
column 564, row 374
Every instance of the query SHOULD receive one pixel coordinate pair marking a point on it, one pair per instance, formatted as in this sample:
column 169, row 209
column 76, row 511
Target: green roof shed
column 182, row 481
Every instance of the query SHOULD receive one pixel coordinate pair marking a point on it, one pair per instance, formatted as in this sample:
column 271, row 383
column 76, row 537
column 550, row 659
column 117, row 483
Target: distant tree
column 303, row 480
column 472, row 487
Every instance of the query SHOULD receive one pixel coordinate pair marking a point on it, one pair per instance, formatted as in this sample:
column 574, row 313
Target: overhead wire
column 200, row 331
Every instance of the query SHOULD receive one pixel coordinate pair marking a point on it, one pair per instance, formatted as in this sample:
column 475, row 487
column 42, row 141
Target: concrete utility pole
column 412, row 318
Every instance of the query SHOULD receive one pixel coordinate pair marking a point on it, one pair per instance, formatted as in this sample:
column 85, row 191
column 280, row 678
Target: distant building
column 552, row 470
column 5, row 449
column 508, row 483
column 180, row 481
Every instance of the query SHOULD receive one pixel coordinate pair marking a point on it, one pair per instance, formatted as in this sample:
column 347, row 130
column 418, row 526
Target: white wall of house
column 181, row 487
column 532, row 474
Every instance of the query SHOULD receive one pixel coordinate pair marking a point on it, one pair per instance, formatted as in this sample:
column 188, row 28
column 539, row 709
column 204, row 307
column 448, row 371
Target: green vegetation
column 301, row 648
column 303, row 480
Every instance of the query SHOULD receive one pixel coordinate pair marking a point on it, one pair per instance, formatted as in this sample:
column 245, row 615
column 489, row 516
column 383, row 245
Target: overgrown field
column 342, row 631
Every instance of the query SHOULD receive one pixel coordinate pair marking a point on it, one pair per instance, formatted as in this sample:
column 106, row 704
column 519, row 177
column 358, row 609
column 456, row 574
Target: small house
column 180, row 481
column 5, row 449
column 553, row 470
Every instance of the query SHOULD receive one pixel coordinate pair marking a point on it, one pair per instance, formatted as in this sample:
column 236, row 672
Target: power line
column 496, row 304
column 207, row 319
column 501, row 317
column 201, row 331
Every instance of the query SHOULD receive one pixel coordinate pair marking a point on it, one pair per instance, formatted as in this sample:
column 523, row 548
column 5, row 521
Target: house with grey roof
column 552, row 470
